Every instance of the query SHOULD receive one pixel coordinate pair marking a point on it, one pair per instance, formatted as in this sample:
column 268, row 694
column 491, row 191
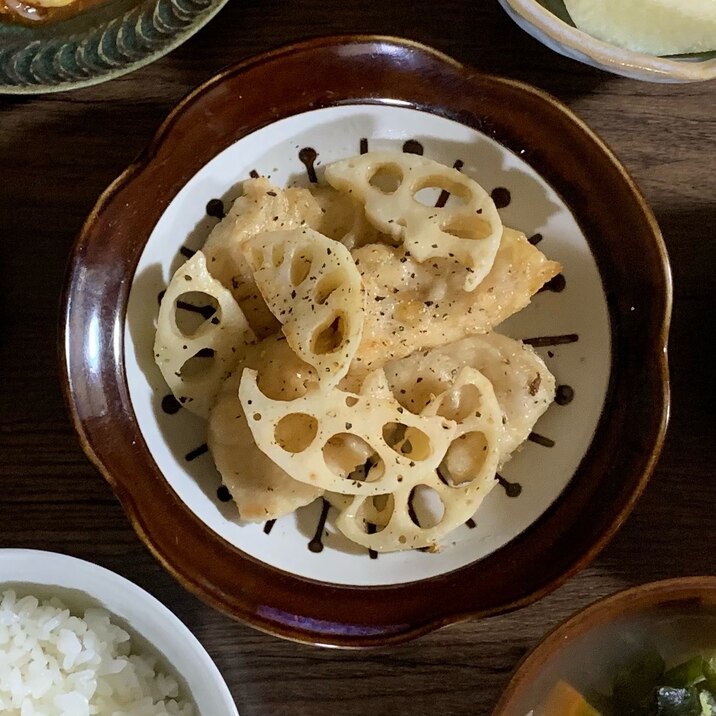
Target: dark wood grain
column 57, row 153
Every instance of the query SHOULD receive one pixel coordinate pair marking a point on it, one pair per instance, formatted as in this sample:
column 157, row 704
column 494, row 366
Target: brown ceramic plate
column 675, row 617
column 602, row 330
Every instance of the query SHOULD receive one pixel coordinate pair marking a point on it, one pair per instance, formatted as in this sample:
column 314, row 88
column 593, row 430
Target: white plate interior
column 579, row 310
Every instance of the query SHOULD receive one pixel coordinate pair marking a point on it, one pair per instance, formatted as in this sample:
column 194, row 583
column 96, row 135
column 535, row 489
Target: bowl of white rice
column 79, row 640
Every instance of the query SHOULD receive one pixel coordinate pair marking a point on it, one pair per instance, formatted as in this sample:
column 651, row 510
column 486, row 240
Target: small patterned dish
column 601, row 328
column 549, row 22
column 100, row 43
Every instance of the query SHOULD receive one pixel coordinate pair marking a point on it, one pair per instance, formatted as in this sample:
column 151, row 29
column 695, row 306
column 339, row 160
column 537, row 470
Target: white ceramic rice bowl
column 153, row 628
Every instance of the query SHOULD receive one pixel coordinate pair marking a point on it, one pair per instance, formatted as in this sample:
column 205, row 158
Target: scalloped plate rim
column 428, row 622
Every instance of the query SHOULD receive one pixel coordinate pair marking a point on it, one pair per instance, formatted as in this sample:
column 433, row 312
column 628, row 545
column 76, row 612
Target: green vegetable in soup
column 685, row 674
column 644, row 687
column 634, row 685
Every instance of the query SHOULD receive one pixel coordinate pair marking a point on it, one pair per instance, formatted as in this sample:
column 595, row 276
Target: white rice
column 56, row 664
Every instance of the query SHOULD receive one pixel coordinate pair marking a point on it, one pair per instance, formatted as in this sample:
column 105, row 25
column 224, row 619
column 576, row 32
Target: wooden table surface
column 57, row 154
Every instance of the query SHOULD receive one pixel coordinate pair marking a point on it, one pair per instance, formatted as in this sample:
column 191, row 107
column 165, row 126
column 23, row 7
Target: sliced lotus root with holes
column 376, row 510
column 282, row 374
column 196, row 358
column 412, row 306
column 261, row 207
column 455, row 488
column 312, row 286
column 260, row 488
column 359, row 444
column 467, row 230
column 522, row 382
column 343, row 218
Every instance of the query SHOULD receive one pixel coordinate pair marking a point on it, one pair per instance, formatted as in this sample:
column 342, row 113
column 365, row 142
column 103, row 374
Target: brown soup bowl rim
column 688, row 592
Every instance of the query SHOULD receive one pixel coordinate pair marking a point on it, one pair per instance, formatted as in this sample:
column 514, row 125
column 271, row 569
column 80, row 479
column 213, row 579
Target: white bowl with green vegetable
column 652, row 40
column 646, row 651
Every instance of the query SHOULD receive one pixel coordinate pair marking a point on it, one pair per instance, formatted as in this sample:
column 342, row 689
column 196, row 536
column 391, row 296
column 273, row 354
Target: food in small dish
column 646, row 651
column 644, row 686
column 343, row 347
column 33, row 12
column 648, row 40
column 655, row 27
column 71, row 618
column 54, row 662
column 57, row 45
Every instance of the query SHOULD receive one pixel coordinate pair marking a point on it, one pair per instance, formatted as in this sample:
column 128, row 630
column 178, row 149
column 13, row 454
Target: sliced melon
column 655, row 27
